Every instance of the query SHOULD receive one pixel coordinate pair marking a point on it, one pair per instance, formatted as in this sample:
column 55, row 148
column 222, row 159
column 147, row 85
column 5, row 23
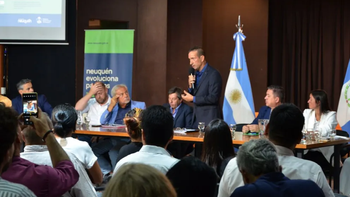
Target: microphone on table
column 192, row 72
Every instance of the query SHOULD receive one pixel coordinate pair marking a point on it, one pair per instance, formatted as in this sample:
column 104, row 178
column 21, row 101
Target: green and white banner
column 108, row 58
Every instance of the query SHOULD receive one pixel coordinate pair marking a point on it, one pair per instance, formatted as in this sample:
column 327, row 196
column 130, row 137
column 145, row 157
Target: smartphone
column 30, row 106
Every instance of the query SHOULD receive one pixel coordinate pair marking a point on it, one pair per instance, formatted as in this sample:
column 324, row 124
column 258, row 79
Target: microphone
column 192, row 72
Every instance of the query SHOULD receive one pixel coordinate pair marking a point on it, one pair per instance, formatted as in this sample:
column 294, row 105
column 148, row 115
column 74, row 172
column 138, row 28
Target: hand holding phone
column 30, row 106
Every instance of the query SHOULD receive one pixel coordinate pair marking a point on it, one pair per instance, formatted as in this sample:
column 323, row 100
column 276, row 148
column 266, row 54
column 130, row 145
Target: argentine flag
column 238, row 104
column 343, row 113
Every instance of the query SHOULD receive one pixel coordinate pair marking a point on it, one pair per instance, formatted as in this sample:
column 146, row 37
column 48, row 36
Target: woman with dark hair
column 132, row 123
column 64, row 118
column 320, row 117
column 217, row 146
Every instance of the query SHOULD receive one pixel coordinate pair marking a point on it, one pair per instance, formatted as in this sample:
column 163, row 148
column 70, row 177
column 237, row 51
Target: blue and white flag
column 238, row 102
column 343, row 113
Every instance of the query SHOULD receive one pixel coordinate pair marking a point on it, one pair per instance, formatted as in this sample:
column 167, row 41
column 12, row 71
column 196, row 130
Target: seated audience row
column 285, row 132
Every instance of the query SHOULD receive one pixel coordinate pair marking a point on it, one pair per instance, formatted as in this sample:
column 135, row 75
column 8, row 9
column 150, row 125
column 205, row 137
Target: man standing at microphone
column 204, row 88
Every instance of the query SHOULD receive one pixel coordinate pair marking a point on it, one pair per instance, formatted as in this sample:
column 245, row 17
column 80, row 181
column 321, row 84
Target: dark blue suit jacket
column 42, row 101
column 207, row 93
column 264, row 113
column 277, row 185
column 183, row 118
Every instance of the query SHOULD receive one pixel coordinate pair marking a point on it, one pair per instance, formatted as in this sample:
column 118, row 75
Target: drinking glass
column 233, row 130
column 80, row 119
column 87, row 121
column 310, row 135
column 262, row 125
column 317, row 135
column 332, row 134
column 304, row 139
column 201, row 126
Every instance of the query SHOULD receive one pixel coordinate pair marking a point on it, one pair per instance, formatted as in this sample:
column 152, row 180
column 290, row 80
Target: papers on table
column 114, row 126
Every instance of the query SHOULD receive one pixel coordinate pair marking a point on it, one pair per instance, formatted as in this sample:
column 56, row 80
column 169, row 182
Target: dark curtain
column 309, row 47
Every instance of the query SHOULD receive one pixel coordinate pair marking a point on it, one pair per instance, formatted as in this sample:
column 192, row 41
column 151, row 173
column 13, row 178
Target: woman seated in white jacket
column 320, row 117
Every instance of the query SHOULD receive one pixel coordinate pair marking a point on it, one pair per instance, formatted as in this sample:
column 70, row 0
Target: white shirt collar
column 283, row 151
column 108, row 102
column 154, row 150
column 35, row 148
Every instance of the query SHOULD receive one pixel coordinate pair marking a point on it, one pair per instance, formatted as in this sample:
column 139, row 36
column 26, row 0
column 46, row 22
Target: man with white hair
column 285, row 132
column 258, row 163
column 120, row 104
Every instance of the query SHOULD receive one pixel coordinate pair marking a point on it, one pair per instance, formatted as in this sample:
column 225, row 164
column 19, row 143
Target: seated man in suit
column 181, row 112
column 258, row 163
column 274, row 97
column 25, row 86
column 120, row 104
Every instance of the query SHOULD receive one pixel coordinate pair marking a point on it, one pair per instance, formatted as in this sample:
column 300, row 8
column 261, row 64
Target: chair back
column 342, row 133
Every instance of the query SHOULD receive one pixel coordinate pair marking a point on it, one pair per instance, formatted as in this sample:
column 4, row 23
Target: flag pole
column 239, row 25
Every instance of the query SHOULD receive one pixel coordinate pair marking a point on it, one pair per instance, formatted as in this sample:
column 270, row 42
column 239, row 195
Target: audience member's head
column 174, row 97
column 9, row 129
column 157, row 126
column 101, row 95
column 319, row 100
column 217, row 144
column 256, row 158
column 193, row 178
column 25, row 86
column 274, row 96
column 139, row 180
column 285, row 126
column 132, row 123
column 123, row 93
column 64, row 118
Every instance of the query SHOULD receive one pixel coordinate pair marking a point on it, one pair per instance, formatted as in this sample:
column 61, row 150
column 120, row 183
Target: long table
column 197, row 137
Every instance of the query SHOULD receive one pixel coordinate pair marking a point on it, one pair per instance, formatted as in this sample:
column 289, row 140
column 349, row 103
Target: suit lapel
column 179, row 111
column 202, row 79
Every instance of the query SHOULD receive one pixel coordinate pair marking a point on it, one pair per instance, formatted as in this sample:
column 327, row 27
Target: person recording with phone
column 205, row 88
column 25, row 86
